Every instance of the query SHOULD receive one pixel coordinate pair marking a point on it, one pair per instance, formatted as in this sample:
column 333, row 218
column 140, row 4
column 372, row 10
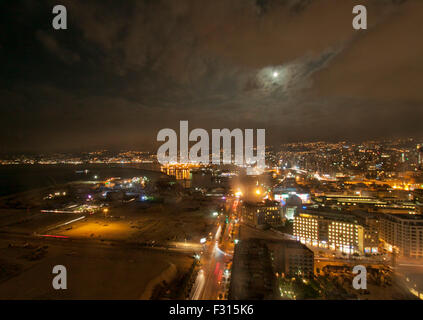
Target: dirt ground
column 159, row 223
column 93, row 271
column 96, row 269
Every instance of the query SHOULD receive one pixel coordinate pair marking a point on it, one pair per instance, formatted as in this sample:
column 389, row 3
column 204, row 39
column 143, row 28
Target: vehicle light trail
column 69, row 222
column 198, row 285
column 219, row 230
column 53, row 236
column 66, row 223
column 222, row 252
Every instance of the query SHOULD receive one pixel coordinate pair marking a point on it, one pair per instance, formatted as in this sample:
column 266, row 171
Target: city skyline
column 230, row 152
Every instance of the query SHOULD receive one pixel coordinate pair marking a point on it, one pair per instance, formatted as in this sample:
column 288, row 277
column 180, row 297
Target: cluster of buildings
column 355, row 223
column 94, row 157
column 364, row 198
column 373, row 158
column 117, row 188
column 94, row 197
column 361, row 232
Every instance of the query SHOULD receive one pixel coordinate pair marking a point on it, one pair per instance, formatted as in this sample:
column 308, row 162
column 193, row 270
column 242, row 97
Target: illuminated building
column 348, row 200
column 398, row 208
column 289, row 211
column 178, row 171
column 336, row 231
column 371, row 227
column 261, row 213
column 403, row 234
column 182, row 172
column 305, row 197
column 288, row 189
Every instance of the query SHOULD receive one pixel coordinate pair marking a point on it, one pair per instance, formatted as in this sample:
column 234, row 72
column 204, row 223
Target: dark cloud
column 67, row 56
column 385, row 63
column 124, row 70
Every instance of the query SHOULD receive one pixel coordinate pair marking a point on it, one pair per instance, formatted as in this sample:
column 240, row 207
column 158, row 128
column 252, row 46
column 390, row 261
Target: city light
column 202, row 151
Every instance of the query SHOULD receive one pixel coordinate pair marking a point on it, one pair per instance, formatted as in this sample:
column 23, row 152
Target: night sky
column 126, row 69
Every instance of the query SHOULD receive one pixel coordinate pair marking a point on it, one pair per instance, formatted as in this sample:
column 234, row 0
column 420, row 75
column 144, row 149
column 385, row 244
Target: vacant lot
column 93, row 271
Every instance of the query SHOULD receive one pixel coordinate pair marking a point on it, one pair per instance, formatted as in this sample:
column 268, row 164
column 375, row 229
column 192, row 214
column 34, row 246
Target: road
column 12, row 237
column 210, row 283
column 214, row 270
column 198, row 286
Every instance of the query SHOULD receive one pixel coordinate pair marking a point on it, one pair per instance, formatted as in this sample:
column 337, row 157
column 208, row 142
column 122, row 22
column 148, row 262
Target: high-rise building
column 261, row 213
column 336, row 231
column 252, row 274
column 403, row 234
column 291, row 258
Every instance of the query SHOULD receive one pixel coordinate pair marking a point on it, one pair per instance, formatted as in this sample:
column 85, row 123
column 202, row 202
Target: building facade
column 336, row 231
column 261, row 213
column 291, row 258
column 403, row 234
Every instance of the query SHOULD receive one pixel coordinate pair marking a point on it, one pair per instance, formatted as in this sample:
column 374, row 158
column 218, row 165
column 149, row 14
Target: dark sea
column 20, row 178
